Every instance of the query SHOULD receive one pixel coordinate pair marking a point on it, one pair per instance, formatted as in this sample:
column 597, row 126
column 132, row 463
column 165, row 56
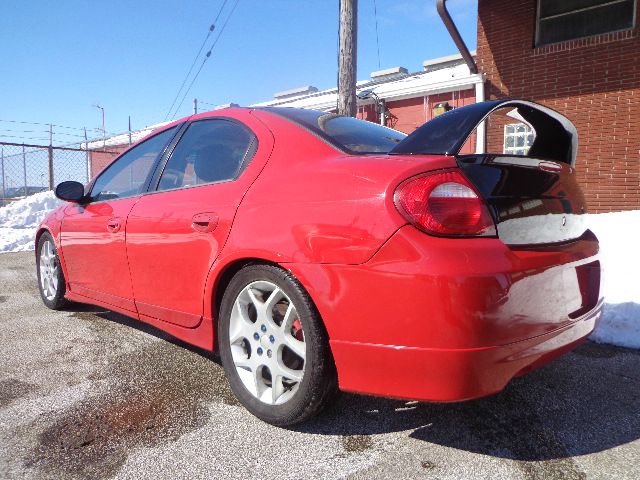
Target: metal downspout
column 473, row 68
column 453, row 31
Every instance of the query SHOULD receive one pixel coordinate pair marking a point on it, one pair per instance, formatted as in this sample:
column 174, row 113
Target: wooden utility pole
column 347, row 58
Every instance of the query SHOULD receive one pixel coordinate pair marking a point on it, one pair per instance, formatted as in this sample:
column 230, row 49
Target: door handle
column 204, row 222
column 114, row 224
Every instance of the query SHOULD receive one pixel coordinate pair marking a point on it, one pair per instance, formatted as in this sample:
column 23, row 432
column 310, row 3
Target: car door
column 93, row 233
column 175, row 234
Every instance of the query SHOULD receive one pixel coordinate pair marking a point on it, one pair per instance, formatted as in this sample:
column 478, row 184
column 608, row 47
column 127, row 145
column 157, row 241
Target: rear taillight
column 444, row 203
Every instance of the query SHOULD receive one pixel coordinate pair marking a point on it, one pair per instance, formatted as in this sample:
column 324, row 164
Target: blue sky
column 130, row 56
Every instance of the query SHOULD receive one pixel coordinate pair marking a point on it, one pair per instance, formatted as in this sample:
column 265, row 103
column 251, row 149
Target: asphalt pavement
column 88, row 393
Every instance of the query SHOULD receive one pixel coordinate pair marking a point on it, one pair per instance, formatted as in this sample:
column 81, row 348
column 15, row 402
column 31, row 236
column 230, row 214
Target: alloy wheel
column 267, row 342
column 49, row 266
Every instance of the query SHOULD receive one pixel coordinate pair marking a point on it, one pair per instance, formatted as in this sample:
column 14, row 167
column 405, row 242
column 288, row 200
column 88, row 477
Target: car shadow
column 85, row 311
column 584, row 402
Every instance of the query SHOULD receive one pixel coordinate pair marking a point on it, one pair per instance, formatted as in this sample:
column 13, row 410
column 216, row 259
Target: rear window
column 346, row 133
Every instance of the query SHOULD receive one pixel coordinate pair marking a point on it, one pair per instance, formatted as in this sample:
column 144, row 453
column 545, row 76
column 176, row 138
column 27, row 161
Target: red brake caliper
column 296, row 329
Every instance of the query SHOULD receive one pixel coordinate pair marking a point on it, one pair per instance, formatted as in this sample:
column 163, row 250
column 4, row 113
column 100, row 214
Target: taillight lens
column 444, row 203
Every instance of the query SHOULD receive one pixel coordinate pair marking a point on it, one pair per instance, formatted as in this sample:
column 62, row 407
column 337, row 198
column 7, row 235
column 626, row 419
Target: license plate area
column 588, row 278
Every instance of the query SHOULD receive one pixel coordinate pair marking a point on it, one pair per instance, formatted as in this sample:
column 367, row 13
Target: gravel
column 88, row 393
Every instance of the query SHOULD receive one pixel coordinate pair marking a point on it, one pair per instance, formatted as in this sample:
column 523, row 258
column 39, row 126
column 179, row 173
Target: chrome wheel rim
column 267, row 343
column 48, row 270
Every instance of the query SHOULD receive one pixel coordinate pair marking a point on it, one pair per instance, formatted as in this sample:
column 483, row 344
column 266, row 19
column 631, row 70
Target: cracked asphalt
column 88, row 393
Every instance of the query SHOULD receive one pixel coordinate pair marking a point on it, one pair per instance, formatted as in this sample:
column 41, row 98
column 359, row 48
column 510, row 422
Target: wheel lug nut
column 263, row 328
column 259, row 351
column 256, row 336
column 272, row 339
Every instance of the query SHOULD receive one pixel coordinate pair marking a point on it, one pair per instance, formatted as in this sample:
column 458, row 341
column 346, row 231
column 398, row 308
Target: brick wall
column 99, row 160
column 595, row 82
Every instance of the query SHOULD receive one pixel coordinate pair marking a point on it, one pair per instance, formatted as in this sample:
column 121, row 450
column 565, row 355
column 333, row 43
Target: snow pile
column 20, row 219
column 620, row 259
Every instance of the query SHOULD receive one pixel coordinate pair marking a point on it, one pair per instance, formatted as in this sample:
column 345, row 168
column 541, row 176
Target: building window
column 571, row 19
column 518, row 138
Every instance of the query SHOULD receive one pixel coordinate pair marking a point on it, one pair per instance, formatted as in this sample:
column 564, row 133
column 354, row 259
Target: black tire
column 57, row 301
column 319, row 381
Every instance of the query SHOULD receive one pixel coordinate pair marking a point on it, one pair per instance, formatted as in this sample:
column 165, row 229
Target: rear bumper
column 445, row 320
column 442, row 375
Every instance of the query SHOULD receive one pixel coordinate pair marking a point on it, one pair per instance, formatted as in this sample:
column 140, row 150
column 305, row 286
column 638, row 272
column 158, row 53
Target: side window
column 127, row 176
column 209, row 151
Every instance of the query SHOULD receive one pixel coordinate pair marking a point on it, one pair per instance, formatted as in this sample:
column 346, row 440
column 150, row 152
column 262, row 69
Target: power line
column 375, row 15
column 24, row 138
column 207, row 103
column 11, row 134
column 38, row 131
column 189, row 72
column 215, row 41
column 211, row 28
column 69, row 134
column 47, row 124
column 8, row 134
column 22, row 131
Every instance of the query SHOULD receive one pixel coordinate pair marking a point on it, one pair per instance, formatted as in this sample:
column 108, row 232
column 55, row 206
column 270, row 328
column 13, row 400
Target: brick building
column 581, row 58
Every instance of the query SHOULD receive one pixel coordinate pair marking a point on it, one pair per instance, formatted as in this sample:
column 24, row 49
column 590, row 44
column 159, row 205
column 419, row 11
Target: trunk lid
column 534, row 198
column 533, row 201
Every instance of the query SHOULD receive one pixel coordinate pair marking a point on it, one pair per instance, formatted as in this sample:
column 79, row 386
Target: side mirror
column 70, row 191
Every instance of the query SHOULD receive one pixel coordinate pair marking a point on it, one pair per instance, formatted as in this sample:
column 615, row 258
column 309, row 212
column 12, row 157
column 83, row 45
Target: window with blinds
column 558, row 21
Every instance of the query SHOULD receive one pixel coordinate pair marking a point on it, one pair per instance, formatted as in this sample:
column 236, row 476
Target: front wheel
column 273, row 346
column 51, row 281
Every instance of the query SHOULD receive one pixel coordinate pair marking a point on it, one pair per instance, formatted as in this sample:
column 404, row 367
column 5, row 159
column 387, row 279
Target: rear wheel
column 273, row 346
column 51, row 281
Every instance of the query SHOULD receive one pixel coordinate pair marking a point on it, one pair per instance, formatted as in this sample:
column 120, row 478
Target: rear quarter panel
column 313, row 204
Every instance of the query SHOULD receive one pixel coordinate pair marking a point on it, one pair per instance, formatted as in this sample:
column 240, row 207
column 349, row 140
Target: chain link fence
column 29, row 169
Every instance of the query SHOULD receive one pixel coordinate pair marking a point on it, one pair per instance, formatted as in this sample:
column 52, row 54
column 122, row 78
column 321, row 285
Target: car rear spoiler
column 556, row 138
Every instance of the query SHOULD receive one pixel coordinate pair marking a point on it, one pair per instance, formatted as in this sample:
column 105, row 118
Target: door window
column 210, row 151
column 128, row 175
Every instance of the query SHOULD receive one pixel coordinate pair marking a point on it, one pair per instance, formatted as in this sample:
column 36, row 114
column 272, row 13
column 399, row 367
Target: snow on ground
column 620, row 259
column 19, row 220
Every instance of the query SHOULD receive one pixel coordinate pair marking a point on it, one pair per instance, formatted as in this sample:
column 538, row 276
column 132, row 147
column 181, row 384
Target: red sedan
column 318, row 252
